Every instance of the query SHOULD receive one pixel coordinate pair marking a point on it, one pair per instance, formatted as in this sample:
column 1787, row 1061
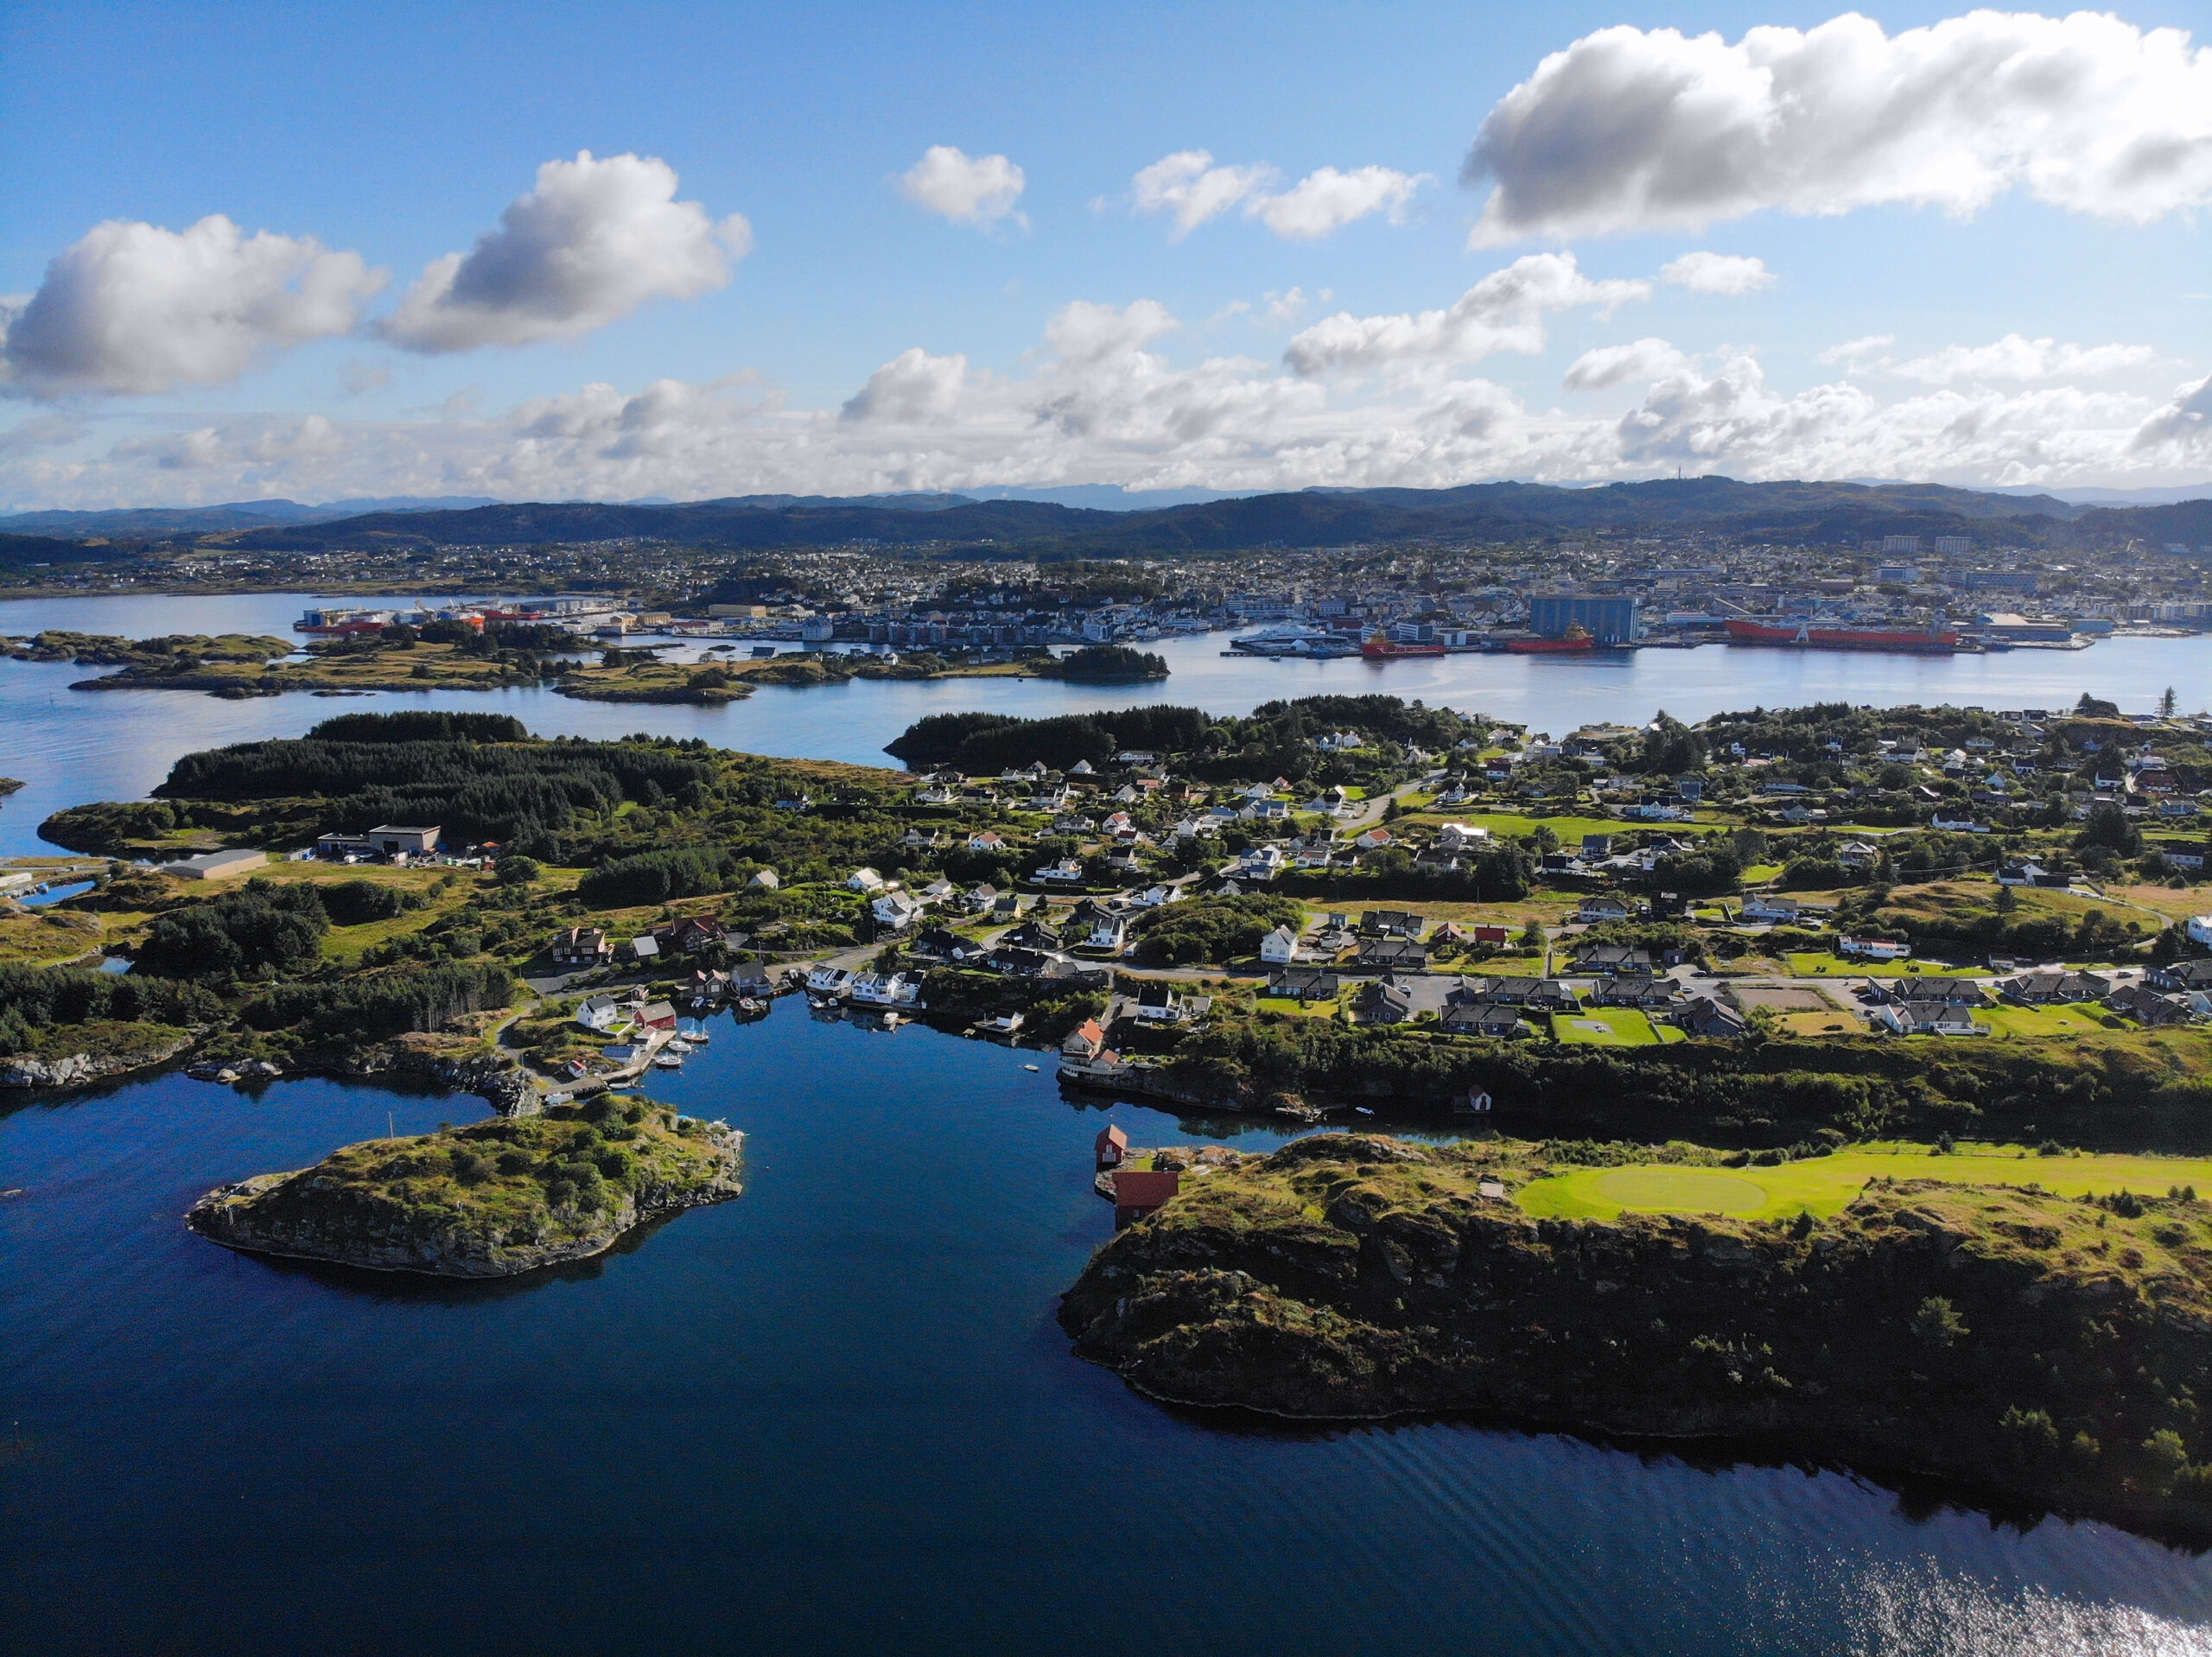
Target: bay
column 70, row 747
column 835, row 1415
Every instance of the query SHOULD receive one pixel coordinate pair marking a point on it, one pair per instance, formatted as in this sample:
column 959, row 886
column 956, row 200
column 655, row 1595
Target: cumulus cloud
column 1190, row 186
column 912, row 388
column 1503, row 312
column 1325, row 200
column 2016, row 358
column 2183, row 425
column 594, row 240
column 968, row 189
column 1857, row 353
column 1717, row 273
column 133, row 308
column 1610, row 366
column 1107, row 398
column 1628, row 130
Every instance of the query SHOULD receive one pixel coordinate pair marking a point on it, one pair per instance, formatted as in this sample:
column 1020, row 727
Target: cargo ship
column 1381, row 647
column 1575, row 638
column 1805, row 636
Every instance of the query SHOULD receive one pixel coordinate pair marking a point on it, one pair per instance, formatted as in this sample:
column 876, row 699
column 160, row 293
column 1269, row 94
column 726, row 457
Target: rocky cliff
column 489, row 1200
column 2021, row 1344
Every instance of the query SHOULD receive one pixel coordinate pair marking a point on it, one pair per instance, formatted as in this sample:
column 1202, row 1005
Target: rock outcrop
column 75, row 1069
column 491, row 1200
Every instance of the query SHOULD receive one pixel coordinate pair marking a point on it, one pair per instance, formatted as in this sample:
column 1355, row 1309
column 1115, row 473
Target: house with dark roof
column 1614, row 960
column 1390, row 923
column 1305, row 983
column 1706, row 1017
column 1392, row 955
column 1482, row 1019
column 1384, row 1001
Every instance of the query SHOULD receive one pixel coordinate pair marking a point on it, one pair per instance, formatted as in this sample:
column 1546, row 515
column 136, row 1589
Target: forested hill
column 1815, row 512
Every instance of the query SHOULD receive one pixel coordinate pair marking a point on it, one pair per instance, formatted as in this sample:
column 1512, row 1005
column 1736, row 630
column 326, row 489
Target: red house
column 1137, row 1193
column 1113, row 1145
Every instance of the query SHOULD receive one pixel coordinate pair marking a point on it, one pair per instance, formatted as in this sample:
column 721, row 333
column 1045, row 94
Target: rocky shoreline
column 494, row 1200
column 2038, row 1347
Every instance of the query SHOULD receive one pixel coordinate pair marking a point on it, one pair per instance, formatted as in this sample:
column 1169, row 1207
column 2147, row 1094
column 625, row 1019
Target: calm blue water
column 835, row 1415
column 71, row 747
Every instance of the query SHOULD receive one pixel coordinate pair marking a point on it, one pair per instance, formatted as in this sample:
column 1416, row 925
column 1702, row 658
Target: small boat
column 747, row 1004
column 667, row 1062
column 679, row 1047
column 1362, row 1110
column 1032, row 1068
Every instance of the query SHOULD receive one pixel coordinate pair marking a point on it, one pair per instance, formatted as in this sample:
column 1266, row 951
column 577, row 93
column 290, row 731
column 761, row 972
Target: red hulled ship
column 1805, row 636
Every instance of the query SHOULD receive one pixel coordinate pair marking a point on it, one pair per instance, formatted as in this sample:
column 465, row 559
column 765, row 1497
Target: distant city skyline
column 692, row 251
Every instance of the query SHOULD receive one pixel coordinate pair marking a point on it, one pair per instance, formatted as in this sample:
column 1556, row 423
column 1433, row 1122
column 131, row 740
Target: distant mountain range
column 1818, row 513
column 143, row 522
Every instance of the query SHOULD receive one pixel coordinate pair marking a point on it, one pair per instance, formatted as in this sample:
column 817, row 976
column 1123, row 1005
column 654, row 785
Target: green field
column 1820, row 963
column 1827, row 1184
column 1295, row 1009
column 2074, row 1020
column 1512, row 825
column 1610, row 1026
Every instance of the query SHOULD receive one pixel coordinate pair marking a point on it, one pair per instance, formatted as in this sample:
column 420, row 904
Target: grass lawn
column 1296, row 1009
column 1827, row 1184
column 1822, row 1023
column 2078, row 1019
column 1609, row 1026
column 1513, row 825
column 1825, row 964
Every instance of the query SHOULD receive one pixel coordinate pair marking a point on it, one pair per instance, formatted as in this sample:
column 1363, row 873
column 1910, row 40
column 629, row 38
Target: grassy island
column 2041, row 1347
column 489, row 1200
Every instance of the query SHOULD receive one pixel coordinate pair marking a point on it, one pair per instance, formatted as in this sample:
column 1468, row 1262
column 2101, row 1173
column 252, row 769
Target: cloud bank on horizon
column 1623, row 132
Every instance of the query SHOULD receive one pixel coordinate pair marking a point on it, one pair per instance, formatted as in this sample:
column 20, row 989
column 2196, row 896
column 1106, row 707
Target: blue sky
column 400, row 133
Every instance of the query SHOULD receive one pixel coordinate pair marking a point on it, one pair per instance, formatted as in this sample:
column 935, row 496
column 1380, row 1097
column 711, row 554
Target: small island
column 10, row 786
column 1998, row 1334
column 491, row 1199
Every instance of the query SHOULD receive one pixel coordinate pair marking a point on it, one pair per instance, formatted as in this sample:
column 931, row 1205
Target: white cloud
column 2015, row 358
column 594, row 241
column 1503, row 312
column 1717, row 273
column 1610, row 366
column 968, row 189
column 2185, row 425
column 1632, row 130
column 1193, row 189
column 1325, row 200
column 1281, row 307
column 1104, row 401
column 133, row 308
column 913, row 388
column 1188, row 185
column 1857, row 353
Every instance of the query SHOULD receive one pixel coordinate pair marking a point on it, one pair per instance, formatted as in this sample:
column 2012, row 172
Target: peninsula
column 491, row 1199
column 2029, row 1345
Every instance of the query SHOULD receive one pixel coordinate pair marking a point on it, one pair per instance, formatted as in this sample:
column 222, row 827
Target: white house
column 883, row 989
column 1261, row 863
column 1280, row 947
column 602, row 1014
column 864, row 881
column 1109, row 932
column 1458, row 836
column 895, row 910
column 1872, row 949
column 827, row 979
column 989, row 839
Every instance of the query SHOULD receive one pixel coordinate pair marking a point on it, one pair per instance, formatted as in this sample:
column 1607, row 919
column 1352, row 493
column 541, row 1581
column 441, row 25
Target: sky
column 690, row 252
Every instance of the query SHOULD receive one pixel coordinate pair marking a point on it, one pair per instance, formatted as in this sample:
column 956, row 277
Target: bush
column 351, row 902
column 265, row 925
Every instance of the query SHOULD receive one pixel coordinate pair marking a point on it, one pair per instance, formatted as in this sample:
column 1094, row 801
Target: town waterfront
column 836, row 1415
column 71, row 747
